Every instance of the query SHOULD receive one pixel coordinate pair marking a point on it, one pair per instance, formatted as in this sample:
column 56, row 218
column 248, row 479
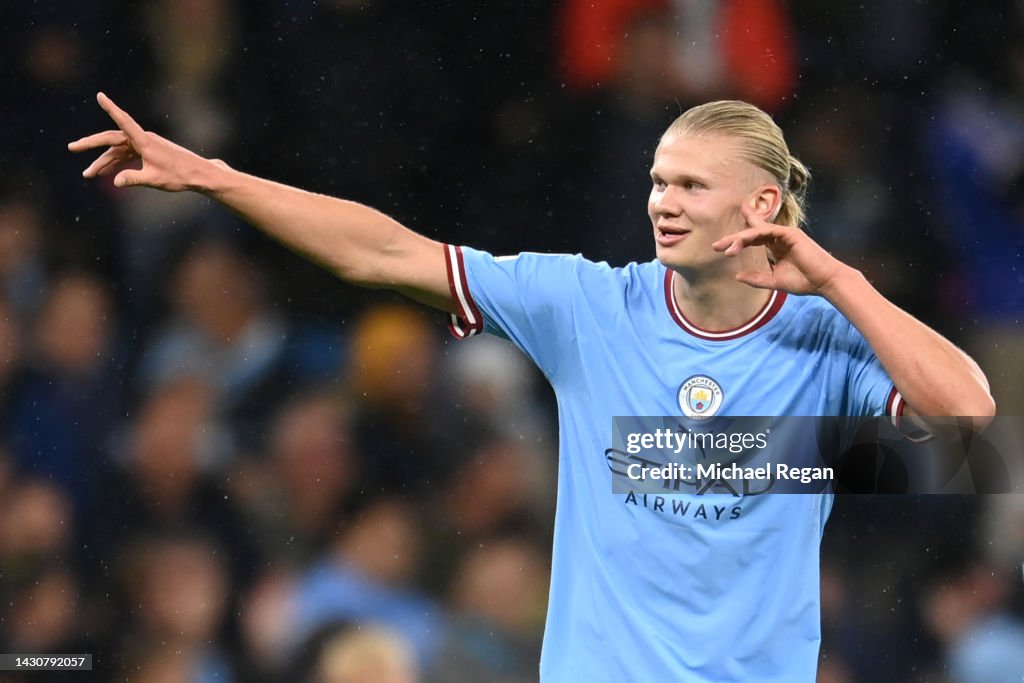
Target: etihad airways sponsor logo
column 686, row 508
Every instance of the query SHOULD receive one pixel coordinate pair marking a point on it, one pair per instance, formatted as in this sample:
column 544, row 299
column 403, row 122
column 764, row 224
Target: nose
column 666, row 202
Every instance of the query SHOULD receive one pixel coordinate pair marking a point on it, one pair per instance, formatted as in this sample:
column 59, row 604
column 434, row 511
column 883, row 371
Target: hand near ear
column 801, row 266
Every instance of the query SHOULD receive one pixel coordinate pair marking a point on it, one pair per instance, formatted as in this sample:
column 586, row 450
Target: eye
column 690, row 185
column 659, row 184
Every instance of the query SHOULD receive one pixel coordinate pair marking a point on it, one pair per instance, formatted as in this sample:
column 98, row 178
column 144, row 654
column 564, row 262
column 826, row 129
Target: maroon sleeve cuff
column 467, row 320
column 894, row 408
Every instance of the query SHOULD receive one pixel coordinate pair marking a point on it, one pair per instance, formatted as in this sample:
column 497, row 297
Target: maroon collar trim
column 767, row 312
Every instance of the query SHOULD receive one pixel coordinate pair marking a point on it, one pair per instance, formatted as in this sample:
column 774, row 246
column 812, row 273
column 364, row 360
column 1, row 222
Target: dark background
column 216, row 460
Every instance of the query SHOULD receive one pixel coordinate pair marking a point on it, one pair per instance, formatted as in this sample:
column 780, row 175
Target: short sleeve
column 870, row 390
column 873, row 393
column 527, row 298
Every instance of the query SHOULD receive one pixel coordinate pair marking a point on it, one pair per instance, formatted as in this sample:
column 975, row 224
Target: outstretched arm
column 357, row 243
column 935, row 377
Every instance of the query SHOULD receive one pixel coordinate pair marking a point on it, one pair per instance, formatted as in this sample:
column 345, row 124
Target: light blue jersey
column 681, row 588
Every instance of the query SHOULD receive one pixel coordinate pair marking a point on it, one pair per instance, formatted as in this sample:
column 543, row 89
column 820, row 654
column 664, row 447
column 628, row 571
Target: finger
column 121, row 118
column 728, row 245
column 107, row 138
column 116, row 164
column 752, row 237
column 112, row 155
column 129, row 178
column 753, row 218
column 737, row 241
column 723, row 243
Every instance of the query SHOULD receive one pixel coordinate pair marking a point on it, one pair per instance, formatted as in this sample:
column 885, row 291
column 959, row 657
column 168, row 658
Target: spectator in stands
column 498, row 598
column 178, row 589
column 224, row 330
column 369, row 576
column 967, row 607
column 295, row 494
column 365, row 655
column 70, row 400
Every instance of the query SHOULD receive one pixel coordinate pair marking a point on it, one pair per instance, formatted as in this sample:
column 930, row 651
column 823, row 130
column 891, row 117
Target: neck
column 717, row 303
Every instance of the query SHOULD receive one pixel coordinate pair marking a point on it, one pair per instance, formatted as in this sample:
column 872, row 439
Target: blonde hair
column 367, row 653
column 761, row 143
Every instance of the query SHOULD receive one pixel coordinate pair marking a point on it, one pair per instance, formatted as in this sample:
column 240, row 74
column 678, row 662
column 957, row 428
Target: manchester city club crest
column 700, row 397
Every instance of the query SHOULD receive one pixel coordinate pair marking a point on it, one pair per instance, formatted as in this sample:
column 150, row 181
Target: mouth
column 666, row 235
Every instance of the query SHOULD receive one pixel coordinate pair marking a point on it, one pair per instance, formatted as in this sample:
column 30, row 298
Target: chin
column 683, row 262
column 671, row 258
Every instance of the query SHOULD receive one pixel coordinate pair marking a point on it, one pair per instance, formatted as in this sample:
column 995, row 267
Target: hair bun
column 799, row 177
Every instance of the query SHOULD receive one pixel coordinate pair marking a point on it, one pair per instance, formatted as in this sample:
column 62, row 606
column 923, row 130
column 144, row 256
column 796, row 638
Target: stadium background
column 216, row 461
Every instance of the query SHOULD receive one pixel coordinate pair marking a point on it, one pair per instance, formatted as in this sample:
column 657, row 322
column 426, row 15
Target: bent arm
column 935, row 377
column 359, row 244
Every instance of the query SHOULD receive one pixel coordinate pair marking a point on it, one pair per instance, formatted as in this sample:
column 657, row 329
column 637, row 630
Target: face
column 699, row 183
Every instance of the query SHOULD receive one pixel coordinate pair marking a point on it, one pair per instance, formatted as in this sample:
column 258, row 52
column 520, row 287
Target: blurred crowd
column 217, row 463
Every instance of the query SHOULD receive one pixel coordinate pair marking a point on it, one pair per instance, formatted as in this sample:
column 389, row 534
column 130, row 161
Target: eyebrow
column 704, row 180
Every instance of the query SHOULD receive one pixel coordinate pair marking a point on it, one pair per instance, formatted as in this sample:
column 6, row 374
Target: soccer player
column 741, row 313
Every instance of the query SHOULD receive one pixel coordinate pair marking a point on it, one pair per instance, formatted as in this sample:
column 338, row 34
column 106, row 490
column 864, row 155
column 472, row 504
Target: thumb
column 757, row 279
column 128, row 178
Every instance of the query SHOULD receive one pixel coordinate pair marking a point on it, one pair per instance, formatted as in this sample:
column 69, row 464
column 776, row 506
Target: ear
column 766, row 202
